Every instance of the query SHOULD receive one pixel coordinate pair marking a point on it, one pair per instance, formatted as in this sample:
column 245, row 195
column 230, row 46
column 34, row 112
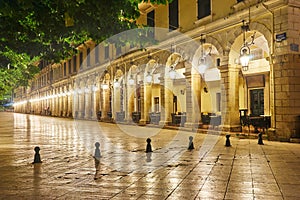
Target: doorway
column 257, row 102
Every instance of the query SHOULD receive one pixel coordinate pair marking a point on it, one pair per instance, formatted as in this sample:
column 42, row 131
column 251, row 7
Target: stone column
column 193, row 99
column 81, row 103
column 116, row 101
column 102, row 102
column 65, row 99
column 95, row 104
column 61, row 103
column 75, row 103
column 99, row 98
column 167, row 101
column 230, row 98
column 87, row 102
column 142, row 92
column 56, row 103
column 106, row 102
column 52, row 107
column 146, row 99
column 130, row 102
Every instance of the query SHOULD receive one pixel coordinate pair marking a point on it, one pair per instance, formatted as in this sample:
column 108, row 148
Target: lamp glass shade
column 116, row 84
column 131, row 81
column 172, row 74
column 244, row 59
column 105, row 86
column 148, row 78
column 202, row 66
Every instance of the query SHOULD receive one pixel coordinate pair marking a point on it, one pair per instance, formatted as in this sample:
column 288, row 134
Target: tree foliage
column 52, row 29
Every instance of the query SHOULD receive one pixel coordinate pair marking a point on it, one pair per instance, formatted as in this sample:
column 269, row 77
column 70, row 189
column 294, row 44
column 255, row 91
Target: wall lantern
column 202, row 64
column 131, row 80
column 116, row 83
column 245, row 58
column 95, row 88
column 245, row 50
column 105, row 86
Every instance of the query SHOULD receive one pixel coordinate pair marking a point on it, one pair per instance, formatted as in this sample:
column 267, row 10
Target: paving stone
column 124, row 171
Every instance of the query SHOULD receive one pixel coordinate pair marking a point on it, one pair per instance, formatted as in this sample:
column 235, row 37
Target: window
column 51, row 76
column 60, row 73
column 256, row 54
column 173, row 15
column 70, row 66
column 106, row 52
column 131, row 45
column 65, row 69
column 88, row 57
column 156, row 104
column 80, row 59
column 151, row 23
column 97, row 54
column 218, row 101
column 74, row 64
column 118, row 50
column 203, row 8
column 174, row 104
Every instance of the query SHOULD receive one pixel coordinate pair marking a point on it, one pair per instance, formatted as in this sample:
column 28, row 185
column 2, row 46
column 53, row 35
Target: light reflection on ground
column 245, row 170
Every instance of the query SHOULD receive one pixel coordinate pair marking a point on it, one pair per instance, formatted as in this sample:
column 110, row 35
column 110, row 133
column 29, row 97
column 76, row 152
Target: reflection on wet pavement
column 73, row 168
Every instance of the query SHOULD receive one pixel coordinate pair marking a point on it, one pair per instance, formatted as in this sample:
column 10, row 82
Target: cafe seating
column 178, row 119
column 257, row 121
column 120, row 116
column 213, row 119
column 136, row 116
column 154, row 117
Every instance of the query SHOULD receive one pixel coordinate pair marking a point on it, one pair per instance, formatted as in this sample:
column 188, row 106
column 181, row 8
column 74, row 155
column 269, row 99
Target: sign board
column 294, row 47
column 280, row 37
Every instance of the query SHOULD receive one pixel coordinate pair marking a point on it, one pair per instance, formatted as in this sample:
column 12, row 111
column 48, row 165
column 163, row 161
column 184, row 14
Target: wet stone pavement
column 245, row 170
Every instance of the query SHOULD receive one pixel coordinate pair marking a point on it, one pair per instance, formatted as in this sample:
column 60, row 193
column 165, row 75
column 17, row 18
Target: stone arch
column 163, row 56
column 263, row 30
column 215, row 42
column 236, row 35
column 260, row 42
column 151, row 65
column 211, row 54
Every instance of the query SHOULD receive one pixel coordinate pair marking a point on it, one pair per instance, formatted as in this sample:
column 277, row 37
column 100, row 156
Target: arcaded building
column 215, row 64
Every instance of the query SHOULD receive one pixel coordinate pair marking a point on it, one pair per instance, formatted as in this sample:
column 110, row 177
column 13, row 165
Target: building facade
column 194, row 76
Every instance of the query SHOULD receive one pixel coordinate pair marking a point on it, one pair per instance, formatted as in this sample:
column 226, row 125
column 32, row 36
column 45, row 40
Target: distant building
column 194, row 77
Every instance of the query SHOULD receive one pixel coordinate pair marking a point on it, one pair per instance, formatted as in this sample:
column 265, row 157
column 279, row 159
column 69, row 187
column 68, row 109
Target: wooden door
column 257, row 102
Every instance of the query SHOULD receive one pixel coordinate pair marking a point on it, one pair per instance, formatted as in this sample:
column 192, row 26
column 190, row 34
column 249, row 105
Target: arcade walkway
column 68, row 170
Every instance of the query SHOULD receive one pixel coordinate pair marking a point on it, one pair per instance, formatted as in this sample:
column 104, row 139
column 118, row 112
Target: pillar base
column 230, row 128
column 271, row 133
column 142, row 122
column 164, row 123
column 192, row 125
column 128, row 121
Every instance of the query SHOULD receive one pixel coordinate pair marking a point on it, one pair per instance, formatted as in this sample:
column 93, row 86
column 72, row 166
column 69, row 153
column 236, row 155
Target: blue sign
column 280, row 37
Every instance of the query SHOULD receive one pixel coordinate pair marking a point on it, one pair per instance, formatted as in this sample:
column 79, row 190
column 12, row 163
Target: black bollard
column 148, row 147
column 97, row 151
column 37, row 157
column 191, row 144
column 227, row 144
column 260, row 139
